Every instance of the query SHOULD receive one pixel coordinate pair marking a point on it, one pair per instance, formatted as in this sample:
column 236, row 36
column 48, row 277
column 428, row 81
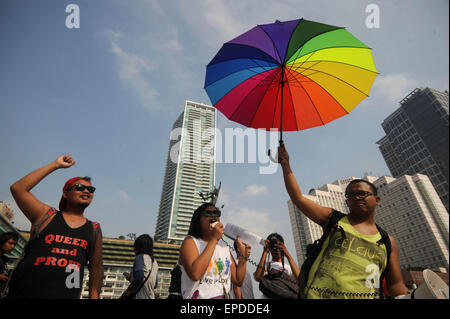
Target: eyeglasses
column 211, row 213
column 81, row 187
column 359, row 195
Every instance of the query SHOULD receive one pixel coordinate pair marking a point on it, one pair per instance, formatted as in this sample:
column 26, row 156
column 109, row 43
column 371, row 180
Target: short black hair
column 195, row 229
column 355, row 181
column 275, row 236
column 144, row 245
column 4, row 237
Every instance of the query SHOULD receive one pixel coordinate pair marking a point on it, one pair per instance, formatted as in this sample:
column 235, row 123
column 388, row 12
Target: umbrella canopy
column 290, row 75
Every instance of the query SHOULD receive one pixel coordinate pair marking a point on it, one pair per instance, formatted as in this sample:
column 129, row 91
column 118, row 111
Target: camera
column 273, row 241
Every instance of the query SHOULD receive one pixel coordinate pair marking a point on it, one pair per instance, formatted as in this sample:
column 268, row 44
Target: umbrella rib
column 335, row 78
column 330, row 96
column 273, row 44
column 312, row 102
column 338, row 62
column 258, row 85
column 315, row 51
column 293, row 107
column 301, row 63
column 316, row 35
column 265, row 57
column 266, row 68
column 275, row 108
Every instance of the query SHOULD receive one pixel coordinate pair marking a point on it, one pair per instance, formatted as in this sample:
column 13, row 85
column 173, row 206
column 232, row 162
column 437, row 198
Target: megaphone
column 433, row 287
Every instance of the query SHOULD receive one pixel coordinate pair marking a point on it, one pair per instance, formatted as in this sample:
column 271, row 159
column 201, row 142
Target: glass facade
column 417, row 139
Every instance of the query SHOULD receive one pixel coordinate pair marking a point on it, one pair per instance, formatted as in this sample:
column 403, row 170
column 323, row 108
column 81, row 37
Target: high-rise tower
column 417, row 139
column 190, row 169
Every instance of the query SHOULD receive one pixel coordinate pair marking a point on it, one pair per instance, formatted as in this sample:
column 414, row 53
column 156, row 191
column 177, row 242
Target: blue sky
column 108, row 94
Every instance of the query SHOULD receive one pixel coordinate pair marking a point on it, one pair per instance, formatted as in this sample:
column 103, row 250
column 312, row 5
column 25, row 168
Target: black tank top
column 53, row 264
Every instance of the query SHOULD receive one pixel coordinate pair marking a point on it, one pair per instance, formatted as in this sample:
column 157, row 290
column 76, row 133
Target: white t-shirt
column 214, row 280
column 277, row 265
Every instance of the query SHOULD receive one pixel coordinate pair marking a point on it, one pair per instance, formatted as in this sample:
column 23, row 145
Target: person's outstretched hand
column 64, row 161
column 283, row 155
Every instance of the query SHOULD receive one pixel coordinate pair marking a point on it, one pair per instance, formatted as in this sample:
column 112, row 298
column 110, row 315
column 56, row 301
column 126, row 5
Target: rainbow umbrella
column 290, row 76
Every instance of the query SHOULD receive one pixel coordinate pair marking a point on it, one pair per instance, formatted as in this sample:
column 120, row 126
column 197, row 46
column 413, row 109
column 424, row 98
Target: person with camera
column 277, row 279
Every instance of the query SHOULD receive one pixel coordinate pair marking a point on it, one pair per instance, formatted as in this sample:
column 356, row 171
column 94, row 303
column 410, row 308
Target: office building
column 190, row 169
column 412, row 212
column 417, row 139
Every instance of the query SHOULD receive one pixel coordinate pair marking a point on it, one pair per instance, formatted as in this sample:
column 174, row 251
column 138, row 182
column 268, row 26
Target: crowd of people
column 351, row 260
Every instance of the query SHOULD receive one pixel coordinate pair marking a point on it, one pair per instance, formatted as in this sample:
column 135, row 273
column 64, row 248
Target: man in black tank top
column 61, row 242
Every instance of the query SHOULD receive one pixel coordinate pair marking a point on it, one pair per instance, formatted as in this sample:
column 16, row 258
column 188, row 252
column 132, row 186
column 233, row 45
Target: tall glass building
column 190, row 169
column 417, row 139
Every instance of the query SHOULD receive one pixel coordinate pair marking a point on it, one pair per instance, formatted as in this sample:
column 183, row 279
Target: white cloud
column 131, row 71
column 394, row 87
column 255, row 190
column 212, row 19
column 123, row 195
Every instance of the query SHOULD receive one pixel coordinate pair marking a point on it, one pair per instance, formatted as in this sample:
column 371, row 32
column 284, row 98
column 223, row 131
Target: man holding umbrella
column 351, row 255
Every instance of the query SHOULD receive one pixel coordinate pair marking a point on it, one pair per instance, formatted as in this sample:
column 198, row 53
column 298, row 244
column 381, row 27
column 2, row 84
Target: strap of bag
column 35, row 231
column 387, row 243
column 314, row 251
column 143, row 283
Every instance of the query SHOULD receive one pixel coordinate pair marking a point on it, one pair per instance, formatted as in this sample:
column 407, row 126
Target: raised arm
column 294, row 267
column 238, row 271
column 259, row 273
column 196, row 264
column 315, row 212
column 21, row 190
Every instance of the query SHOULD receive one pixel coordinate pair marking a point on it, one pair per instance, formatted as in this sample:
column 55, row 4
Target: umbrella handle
column 271, row 158
column 275, row 160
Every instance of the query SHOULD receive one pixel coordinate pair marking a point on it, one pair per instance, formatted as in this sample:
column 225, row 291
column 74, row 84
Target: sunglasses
column 211, row 213
column 81, row 187
column 360, row 194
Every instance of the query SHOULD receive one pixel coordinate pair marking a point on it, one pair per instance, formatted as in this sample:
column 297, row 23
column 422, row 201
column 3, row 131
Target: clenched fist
column 64, row 161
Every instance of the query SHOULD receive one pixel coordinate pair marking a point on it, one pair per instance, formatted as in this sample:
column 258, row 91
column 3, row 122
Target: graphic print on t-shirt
column 346, row 267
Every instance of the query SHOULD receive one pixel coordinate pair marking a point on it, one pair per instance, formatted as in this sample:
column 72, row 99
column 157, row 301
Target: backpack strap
column 313, row 252
column 95, row 227
column 332, row 222
column 35, row 231
column 387, row 243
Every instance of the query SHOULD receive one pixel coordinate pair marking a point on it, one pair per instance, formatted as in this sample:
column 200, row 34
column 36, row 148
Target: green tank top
column 348, row 267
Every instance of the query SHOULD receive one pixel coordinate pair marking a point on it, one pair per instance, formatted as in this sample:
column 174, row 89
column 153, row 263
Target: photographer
column 276, row 268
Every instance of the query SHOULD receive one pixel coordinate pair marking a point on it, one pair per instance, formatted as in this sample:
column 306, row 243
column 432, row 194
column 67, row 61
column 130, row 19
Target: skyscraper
column 412, row 212
column 190, row 169
column 417, row 139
